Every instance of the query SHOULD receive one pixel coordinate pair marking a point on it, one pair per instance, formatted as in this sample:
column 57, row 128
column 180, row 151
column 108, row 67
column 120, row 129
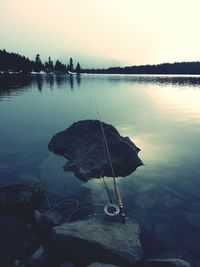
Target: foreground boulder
column 20, row 196
column 83, row 145
column 97, row 240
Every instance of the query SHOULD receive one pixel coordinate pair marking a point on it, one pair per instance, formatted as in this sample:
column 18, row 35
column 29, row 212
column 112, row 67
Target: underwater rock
column 38, row 259
column 93, row 240
column 67, row 264
column 19, row 196
column 84, row 147
column 98, row 264
column 47, row 219
column 164, row 263
column 18, row 263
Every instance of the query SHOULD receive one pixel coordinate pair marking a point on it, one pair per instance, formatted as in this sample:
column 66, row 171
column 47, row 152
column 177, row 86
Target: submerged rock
column 164, row 263
column 67, row 264
column 17, row 196
column 18, row 263
column 47, row 219
column 98, row 240
column 38, row 259
column 84, row 147
column 98, row 264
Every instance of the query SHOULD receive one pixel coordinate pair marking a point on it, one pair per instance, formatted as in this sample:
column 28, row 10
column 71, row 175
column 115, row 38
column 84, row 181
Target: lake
column 160, row 114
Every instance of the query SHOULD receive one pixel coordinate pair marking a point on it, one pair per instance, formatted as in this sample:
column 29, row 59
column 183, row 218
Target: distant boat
column 71, row 73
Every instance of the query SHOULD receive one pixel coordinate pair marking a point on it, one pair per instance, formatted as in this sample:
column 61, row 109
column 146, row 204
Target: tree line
column 165, row 68
column 15, row 62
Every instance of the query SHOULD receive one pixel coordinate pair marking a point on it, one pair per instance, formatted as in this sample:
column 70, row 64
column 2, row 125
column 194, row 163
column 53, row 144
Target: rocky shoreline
column 92, row 242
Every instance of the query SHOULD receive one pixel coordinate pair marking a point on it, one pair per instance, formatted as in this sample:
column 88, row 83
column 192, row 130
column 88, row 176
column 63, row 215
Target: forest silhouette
column 18, row 63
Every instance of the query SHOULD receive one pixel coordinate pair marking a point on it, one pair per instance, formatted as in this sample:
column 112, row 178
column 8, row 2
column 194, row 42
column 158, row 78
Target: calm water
column 161, row 114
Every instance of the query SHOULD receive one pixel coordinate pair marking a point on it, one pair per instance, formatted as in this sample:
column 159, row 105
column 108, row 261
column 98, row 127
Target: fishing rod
column 116, row 188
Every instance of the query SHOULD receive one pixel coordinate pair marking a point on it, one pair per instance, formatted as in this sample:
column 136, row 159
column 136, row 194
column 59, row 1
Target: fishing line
column 54, row 206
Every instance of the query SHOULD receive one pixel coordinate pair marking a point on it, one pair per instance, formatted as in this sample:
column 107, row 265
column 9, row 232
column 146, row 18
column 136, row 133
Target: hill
column 165, row 68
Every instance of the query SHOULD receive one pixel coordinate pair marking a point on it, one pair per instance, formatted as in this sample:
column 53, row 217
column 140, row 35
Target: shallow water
column 161, row 114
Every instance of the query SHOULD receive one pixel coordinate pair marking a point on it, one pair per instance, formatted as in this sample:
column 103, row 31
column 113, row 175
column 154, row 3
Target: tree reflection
column 9, row 83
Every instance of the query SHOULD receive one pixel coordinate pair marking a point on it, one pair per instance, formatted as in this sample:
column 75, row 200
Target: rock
column 18, row 263
column 17, row 196
column 67, row 264
column 82, row 144
column 98, row 264
column 38, row 259
column 164, row 263
column 176, row 254
column 98, row 240
column 48, row 218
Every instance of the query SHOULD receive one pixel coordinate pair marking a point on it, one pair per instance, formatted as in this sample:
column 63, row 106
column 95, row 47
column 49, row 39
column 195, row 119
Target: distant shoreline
column 15, row 63
column 95, row 73
column 178, row 68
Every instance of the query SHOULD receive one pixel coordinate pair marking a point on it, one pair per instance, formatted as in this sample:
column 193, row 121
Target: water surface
column 161, row 114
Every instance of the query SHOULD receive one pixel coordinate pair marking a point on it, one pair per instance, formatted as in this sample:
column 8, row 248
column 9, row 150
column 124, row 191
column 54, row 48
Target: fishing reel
column 111, row 209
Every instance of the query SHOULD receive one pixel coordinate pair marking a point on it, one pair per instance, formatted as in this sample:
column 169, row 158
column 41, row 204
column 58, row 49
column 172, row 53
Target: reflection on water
column 161, row 114
column 11, row 82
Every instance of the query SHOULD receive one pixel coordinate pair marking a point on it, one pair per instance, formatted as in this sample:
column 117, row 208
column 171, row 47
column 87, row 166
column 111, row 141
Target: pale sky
column 102, row 33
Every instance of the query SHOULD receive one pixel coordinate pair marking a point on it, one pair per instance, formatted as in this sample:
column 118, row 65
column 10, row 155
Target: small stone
column 67, row 264
column 38, row 259
column 52, row 218
column 48, row 218
column 18, row 263
column 165, row 263
column 98, row 264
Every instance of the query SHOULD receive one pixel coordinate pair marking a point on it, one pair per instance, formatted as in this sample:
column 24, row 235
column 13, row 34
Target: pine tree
column 78, row 68
column 38, row 63
column 50, row 63
column 71, row 66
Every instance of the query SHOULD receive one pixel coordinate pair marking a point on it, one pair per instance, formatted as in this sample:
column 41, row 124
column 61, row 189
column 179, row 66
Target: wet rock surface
column 84, row 147
column 98, row 240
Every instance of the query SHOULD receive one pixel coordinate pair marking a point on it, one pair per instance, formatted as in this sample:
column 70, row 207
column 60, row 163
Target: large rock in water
column 98, row 240
column 83, row 145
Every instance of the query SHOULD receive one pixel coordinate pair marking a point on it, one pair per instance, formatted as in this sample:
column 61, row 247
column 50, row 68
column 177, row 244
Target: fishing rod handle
column 122, row 215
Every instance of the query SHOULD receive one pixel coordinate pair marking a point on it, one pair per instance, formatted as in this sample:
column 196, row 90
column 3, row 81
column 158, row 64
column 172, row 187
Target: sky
column 102, row 33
